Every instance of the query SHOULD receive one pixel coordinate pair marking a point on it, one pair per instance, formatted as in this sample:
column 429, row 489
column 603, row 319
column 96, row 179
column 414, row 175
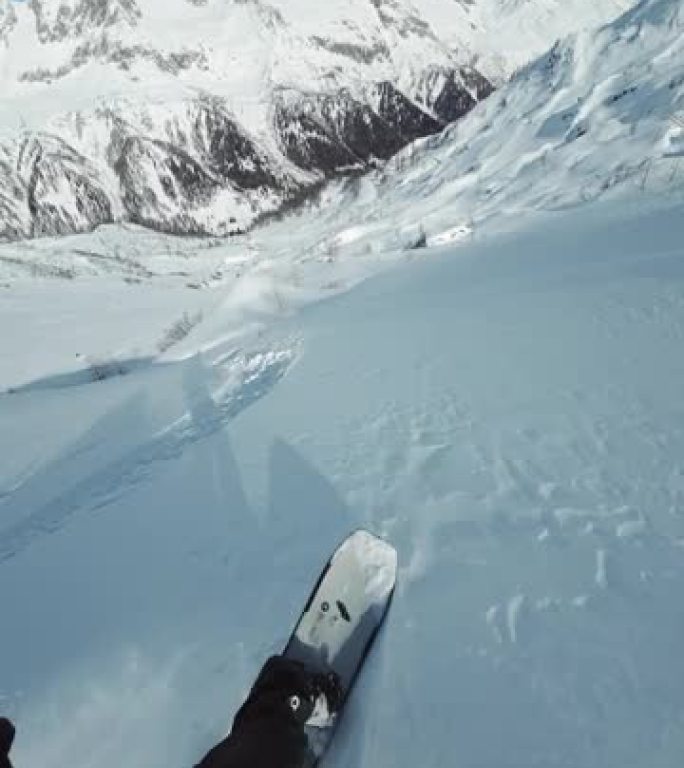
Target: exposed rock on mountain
column 398, row 110
column 448, row 94
column 63, row 193
column 337, row 133
column 71, row 18
column 194, row 169
column 228, row 150
column 8, row 18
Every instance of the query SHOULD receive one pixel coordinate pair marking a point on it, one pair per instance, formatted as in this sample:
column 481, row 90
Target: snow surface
column 188, row 428
column 507, row 413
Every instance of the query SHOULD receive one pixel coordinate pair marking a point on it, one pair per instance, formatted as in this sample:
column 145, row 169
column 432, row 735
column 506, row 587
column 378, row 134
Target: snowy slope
column 509, row 415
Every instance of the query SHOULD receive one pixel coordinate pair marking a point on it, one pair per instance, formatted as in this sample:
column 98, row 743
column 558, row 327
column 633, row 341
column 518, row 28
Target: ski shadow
column 300, row 523
column 306, row 516
column 129, row 442
column 96, row 371
column 43, row 502
column 207, row 416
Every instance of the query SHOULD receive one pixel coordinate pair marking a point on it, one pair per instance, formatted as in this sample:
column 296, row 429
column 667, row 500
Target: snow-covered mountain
column 503, row 35
column 191, row 116
column 197, row 117
column 599, row 115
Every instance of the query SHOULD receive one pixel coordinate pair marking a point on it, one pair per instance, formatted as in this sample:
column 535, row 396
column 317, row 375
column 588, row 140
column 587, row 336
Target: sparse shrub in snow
column 413, row 238
column 179, row 330
column 100, row 370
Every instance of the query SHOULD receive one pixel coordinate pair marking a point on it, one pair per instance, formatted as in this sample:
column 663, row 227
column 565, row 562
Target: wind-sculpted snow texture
column 200, row 117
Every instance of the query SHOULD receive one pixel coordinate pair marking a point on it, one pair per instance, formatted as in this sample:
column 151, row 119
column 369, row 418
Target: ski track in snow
column 249, row 377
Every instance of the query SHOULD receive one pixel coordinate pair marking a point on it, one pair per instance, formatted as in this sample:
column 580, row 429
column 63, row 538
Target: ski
column 340, row 621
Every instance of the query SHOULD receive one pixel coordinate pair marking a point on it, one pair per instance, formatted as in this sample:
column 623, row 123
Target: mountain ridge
column 305, row 92
column 313, row 110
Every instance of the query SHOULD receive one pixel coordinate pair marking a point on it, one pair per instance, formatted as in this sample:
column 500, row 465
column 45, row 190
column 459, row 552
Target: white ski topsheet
column 347, row 607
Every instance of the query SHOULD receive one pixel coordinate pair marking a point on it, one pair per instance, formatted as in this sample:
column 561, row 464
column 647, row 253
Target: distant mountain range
column 200, row 116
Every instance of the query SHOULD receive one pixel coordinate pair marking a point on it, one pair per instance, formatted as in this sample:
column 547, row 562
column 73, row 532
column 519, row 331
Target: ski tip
column 366, row 538
column 375, row 553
